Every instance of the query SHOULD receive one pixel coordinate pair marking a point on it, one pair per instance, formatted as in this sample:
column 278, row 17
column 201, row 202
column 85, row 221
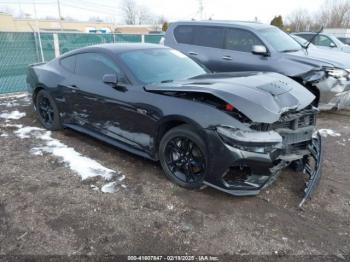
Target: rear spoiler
column 36, row 64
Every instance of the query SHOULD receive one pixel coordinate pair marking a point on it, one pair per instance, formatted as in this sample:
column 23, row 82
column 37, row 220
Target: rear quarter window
column 209, row 36
column 184, row 34
column 69, row 63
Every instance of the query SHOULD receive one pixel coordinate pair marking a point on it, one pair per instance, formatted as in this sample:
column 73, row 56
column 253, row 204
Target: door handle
column 192, row 53
column 227, row 57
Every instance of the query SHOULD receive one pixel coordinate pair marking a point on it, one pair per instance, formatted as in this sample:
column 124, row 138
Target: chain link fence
column 19, row 49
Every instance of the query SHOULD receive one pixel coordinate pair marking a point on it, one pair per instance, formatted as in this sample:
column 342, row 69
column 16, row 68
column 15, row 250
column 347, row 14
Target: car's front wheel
column 47, row 111
column 182, row 154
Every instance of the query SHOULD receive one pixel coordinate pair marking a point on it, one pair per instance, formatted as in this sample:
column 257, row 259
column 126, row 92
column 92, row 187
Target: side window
column 69, row 63
column 184, row 34
column 307, row 36
column 322, row 40
column 94, row 65
column 241, row 40
column 209, row 36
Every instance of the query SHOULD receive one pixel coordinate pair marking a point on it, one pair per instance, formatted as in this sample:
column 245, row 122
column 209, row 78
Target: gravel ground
column 46, row 209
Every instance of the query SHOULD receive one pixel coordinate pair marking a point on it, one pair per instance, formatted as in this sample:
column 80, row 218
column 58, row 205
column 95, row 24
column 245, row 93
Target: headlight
column 338, row 73
column 252, row 141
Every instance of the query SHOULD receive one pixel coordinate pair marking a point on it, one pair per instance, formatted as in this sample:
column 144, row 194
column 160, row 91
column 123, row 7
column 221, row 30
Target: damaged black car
column 231, row 131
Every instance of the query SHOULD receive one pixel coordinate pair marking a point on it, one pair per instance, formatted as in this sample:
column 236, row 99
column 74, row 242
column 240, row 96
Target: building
column 10, row 24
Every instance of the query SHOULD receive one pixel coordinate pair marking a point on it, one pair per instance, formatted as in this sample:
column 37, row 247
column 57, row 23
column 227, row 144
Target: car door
column 237, row 52
column 107, row 109
column 86, row 89
column 202, row 43
column 325, row 42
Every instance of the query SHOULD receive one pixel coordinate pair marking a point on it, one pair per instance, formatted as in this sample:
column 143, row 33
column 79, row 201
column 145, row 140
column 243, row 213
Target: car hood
column 322, row 57
column 262, row 97
column 345, row 48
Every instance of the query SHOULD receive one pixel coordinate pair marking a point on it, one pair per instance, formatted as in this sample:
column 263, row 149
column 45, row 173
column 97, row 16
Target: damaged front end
column 333, row 86
column 258, row 155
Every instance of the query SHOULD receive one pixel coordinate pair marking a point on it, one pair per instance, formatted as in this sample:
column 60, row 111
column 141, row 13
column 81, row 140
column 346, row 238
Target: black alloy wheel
column 182, row 155
column 47, row 110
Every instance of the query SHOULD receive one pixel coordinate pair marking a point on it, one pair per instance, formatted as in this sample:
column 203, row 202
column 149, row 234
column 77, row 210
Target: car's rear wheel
column 47, row 111
column 182, row 154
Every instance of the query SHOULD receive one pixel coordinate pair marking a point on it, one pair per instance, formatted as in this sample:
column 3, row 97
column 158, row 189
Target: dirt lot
column 45, row 207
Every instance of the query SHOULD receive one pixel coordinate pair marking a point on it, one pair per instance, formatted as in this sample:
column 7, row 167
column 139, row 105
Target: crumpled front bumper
column 334, row 93
column 264, row 168
column 313, row 170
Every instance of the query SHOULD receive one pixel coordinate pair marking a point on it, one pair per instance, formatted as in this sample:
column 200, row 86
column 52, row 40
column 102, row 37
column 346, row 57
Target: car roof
column 233, row 23
column 116, row 48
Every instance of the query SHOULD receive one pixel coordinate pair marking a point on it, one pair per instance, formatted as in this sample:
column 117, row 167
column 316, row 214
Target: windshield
column 161, row 65
column 336, row 41
column 301, row 40
column 279, row 40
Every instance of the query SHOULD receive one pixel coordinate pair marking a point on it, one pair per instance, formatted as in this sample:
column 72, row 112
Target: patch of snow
column 340, row 143
column 10, row 104
column 110, row 188
column 21, row 95
column 14, row 115
column 12, row 125
column 4, row 135
column 95, row 188
column 25, row 132
column 328, row 132
column 170, row 207
column 85, row 167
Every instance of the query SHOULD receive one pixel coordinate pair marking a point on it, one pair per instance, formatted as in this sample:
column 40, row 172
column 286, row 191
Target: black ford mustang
column 232, row 131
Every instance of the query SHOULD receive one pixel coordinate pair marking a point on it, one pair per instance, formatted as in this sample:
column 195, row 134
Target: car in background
column 326, row 41
column 234, row 132
column 226, row 46
column 338, row 58
column 345, row 40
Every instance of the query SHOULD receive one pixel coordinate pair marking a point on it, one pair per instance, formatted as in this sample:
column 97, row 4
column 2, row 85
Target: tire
column 51, row 119
column 182, row 145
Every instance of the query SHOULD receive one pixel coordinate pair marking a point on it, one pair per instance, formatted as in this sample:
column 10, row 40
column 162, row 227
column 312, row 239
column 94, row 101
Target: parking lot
column 46, row 207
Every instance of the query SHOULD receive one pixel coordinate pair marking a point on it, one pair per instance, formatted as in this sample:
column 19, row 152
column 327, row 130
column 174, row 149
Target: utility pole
column 200, row 9
column 38, row 31
column 20, row 7
column 59, row 14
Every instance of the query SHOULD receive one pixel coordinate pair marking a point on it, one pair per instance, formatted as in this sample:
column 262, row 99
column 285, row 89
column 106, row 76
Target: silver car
column 325, row 41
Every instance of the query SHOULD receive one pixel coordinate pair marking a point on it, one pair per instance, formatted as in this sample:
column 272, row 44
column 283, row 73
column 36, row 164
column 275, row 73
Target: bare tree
column 130, row 10
column 145, row 16
column 136, row 14
column 334, row 13
column 299, row 20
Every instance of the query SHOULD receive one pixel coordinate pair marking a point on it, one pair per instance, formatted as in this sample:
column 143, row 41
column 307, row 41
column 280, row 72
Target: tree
column 134, row 14
column 165, row 26
column 334, row 13
column 144, row 16
column 299, row 20
column 129, row 10
column 277, row 21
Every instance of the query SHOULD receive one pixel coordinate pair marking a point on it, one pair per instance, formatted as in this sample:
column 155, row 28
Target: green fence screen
column 19, row 49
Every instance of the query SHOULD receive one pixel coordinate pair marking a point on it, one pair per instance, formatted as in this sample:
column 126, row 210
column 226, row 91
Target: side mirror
column 110, row 79
column 259, row 50
column 332, row 45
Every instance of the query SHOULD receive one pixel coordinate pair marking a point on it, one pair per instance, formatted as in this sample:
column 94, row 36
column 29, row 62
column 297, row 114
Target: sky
column 172, row 10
